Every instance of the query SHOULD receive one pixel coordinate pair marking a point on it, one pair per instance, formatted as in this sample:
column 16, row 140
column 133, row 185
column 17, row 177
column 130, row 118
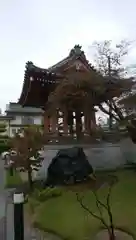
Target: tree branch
column 117, row 110
column 80, row 200
column 102, row 204
column 97, row 204
column 109, row 209
column 107, row 112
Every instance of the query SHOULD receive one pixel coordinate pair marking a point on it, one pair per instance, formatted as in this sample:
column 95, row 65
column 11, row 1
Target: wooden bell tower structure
column 39, row 83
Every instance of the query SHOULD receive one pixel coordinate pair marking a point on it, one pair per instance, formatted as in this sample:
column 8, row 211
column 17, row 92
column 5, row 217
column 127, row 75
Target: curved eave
column 38, row 83
column 87, row 64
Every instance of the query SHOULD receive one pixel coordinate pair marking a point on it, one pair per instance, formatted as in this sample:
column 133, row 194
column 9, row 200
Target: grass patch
column 65, row 216
column 12, row 181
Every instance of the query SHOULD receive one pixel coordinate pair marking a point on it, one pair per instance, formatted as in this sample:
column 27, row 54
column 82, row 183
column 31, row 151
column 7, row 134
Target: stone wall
column 101, row 156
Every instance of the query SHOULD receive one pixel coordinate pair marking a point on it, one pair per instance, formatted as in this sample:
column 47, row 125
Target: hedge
column 4, row 136
column 3, row 141
column 4, row 148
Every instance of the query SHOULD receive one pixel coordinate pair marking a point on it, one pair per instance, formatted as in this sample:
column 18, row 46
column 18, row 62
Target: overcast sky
column 44, row 31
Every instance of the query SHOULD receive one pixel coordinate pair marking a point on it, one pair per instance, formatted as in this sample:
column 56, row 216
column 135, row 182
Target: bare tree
column 101, row 206
column 109, row 63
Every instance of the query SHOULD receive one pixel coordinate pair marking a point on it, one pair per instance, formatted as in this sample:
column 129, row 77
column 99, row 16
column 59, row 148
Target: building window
column 14, row 131
column 27, row 120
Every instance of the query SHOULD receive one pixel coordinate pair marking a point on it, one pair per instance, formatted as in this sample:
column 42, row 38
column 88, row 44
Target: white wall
column 102, row 156
column 12, row 129
column 38, row 120
column 18, row 121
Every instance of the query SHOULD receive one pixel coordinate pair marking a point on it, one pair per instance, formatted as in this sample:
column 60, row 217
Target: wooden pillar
column 88, row 124
column 93, row 120
column 46, row 123
column 78, row 124
column 70, row 122
column 54, row 123
column 65, row 123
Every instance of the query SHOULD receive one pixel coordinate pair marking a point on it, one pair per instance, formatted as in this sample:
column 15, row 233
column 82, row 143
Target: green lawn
column 65, row 216
column 12, row 181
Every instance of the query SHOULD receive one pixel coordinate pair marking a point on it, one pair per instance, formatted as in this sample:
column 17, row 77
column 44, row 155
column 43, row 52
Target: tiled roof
column 5, row 117
column 15, row 107
column 75, row 53
column 39, row 82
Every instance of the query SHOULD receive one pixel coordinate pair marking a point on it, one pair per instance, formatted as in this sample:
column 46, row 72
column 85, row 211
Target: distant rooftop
column 5, row 117
column 15, row 107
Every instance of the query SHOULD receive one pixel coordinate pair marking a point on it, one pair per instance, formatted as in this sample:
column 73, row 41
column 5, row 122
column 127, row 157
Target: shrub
column 39, row 184
column 13, row 181
column 46, row 194
column 5, row 137
column 4, row 147
column 131, row 165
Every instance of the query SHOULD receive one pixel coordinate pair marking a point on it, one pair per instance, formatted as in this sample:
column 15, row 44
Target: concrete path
column 29, row 232
column 2, row 202
column 7, row 215
column 9, row 219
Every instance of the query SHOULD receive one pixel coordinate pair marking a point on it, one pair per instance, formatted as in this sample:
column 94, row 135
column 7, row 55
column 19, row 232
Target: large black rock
column 69, row 166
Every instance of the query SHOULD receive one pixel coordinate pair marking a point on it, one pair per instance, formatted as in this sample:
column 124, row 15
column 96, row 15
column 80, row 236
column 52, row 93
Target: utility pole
column 110, row 104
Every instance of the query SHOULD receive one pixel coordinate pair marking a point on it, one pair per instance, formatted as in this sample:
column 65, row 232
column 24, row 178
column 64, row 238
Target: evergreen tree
column 4, row 146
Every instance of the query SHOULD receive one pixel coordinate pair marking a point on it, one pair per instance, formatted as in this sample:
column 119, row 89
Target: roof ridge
column 74, row 52
column 58, row 63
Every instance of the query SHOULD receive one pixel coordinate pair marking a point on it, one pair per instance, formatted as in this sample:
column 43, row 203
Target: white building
column 18, row 117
